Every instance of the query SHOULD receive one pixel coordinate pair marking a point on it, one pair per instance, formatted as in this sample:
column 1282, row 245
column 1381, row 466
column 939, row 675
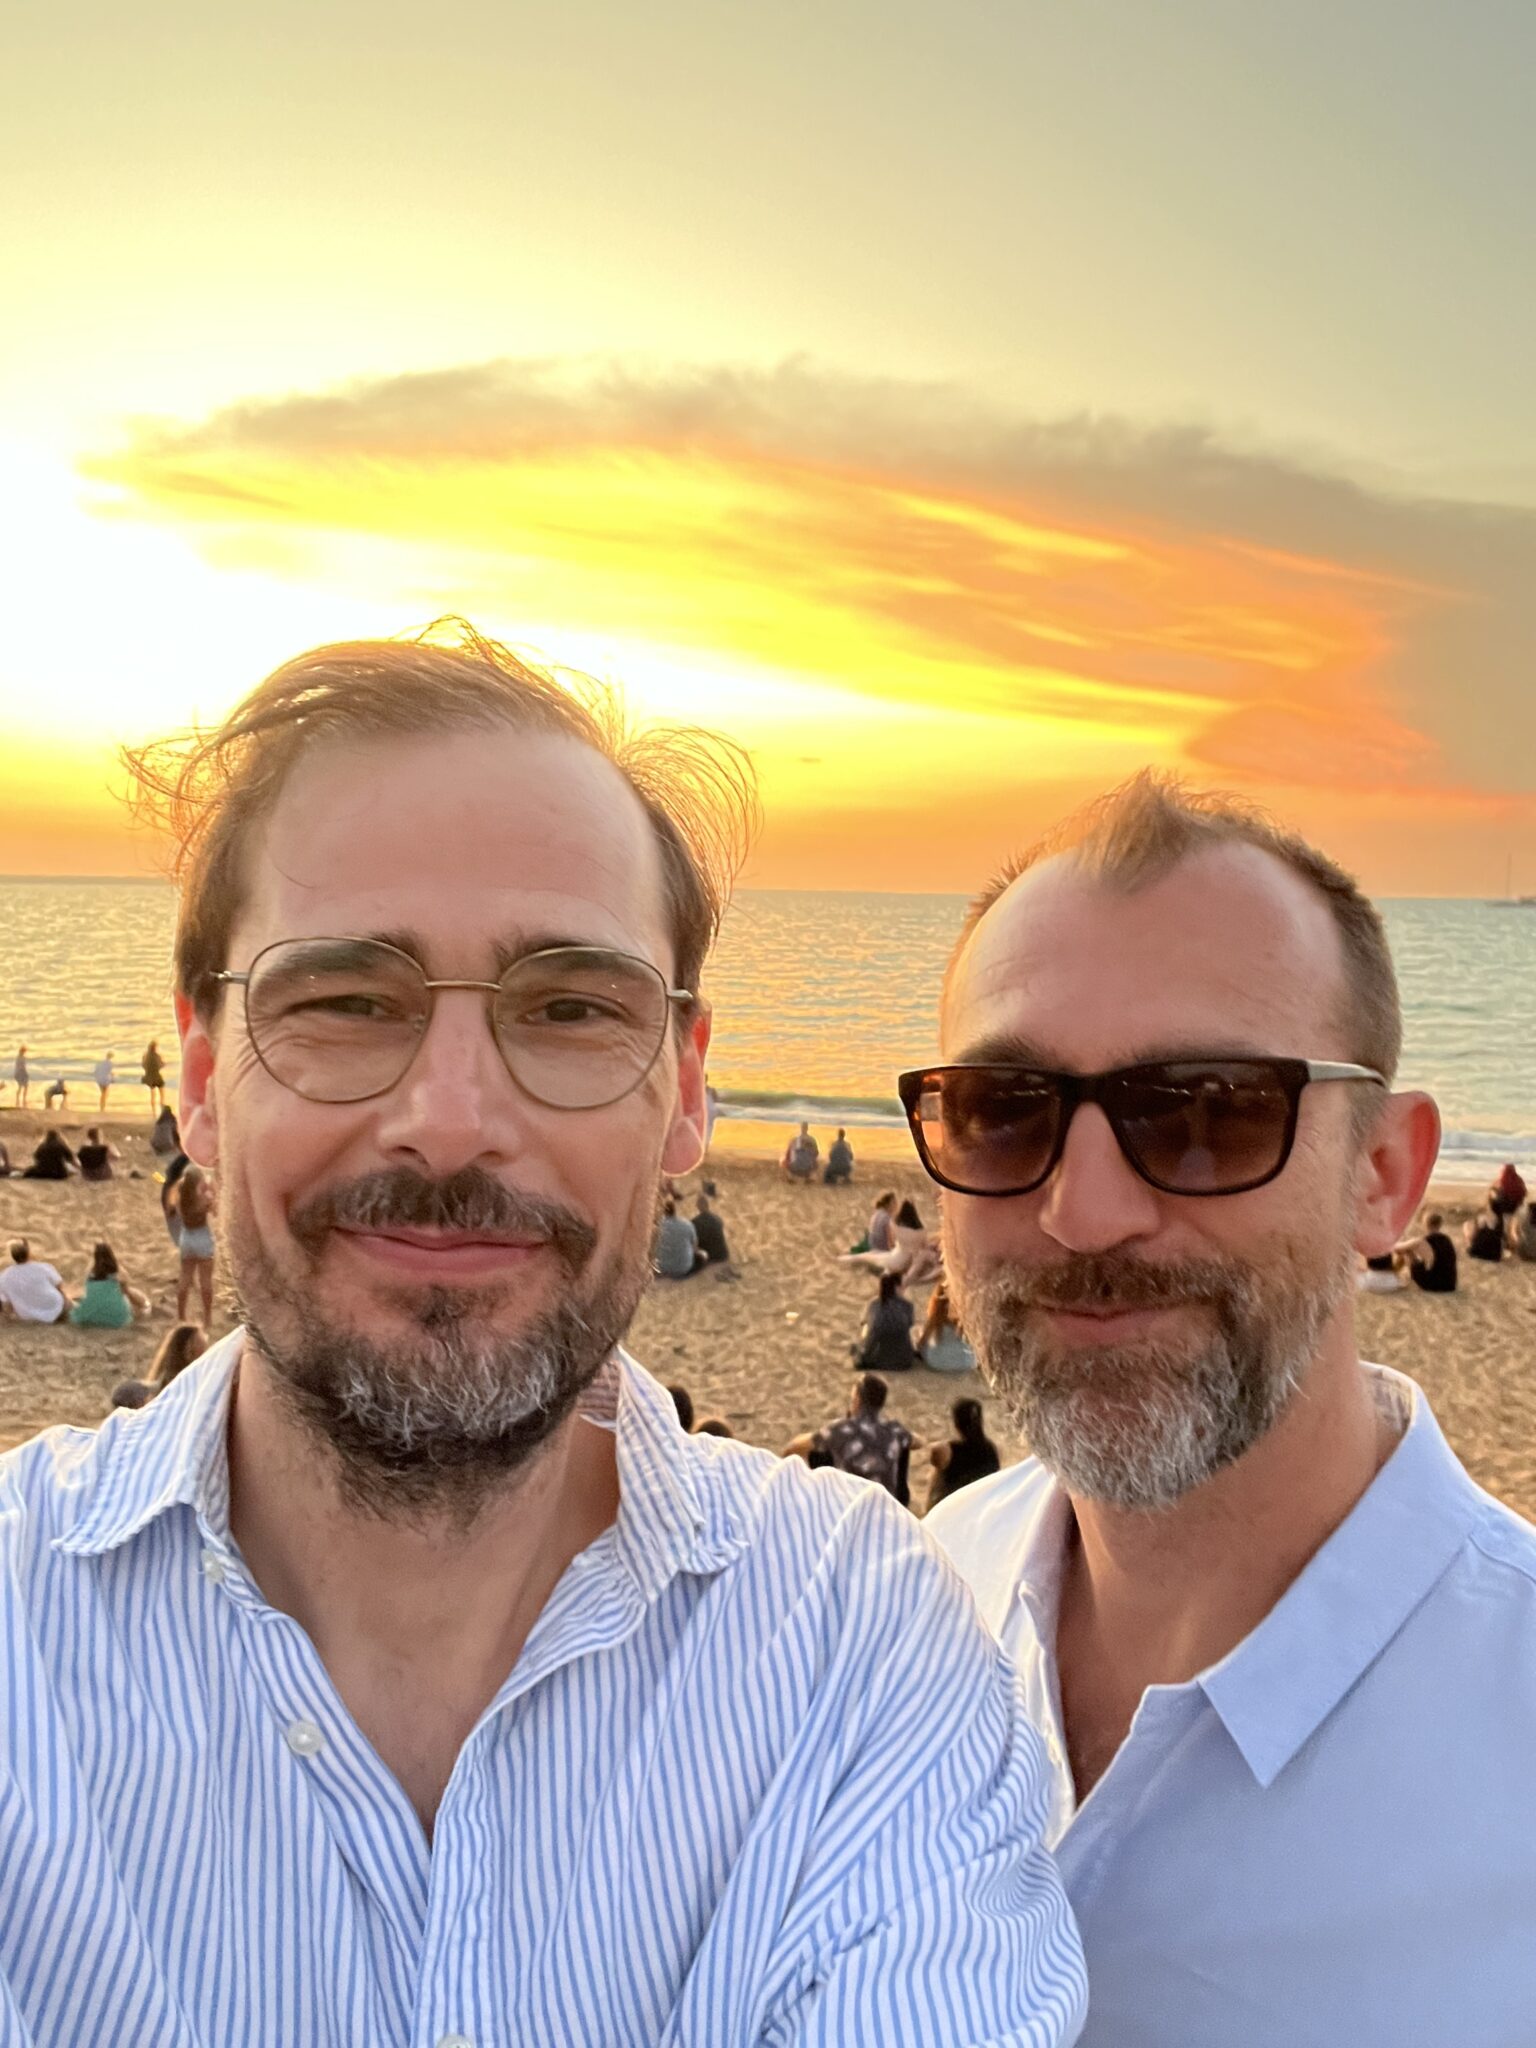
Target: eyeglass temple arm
column 1342, row 1070
column 674, row 995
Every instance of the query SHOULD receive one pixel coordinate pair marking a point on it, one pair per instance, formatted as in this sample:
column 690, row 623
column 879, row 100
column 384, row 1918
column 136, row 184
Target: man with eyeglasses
column 1284, row 1647
column 404, row 1674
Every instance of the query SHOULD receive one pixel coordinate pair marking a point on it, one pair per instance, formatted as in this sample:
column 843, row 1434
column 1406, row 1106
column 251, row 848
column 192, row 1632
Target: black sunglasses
column 1189, row 1127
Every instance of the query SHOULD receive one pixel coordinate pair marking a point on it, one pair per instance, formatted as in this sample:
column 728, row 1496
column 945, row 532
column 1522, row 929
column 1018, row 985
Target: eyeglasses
column 1188, row 1127
column 340, row 1020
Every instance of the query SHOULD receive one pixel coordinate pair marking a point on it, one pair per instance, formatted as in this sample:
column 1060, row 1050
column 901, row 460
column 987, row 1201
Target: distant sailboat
column 1509, row 900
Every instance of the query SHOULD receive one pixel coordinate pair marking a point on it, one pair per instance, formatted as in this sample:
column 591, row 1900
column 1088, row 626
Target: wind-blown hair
column 209, row 790
column 1140, row 832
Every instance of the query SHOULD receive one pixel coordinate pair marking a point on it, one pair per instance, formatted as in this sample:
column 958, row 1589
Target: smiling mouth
column 441, row 1254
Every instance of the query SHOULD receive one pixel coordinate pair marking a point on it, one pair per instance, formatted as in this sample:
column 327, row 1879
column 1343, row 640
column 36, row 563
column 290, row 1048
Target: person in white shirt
column 105, row 1075
column 1285, row 1647
column 31, row 1289
column 501, row 1709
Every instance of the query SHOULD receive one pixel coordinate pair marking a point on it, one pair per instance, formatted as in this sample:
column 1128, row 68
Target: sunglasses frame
column 1072, row 1090
column 677, row 998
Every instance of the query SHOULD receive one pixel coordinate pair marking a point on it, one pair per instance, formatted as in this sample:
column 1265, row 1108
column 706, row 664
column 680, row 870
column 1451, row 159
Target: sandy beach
column 768, row 1352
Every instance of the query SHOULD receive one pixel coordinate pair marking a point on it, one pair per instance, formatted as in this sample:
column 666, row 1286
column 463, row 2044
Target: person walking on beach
column 154, row 1077
column 105, row 1073
column 419, row 1550
column 1274, row 1629
column 22, row 1076
column 192, row 1197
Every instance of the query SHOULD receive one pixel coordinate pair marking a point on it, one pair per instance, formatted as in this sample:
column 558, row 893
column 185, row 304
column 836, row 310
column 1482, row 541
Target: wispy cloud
column 1286, row 624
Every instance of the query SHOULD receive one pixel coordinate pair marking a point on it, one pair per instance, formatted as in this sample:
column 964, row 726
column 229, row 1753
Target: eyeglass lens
column 341, row 1020
column 1204, row 1127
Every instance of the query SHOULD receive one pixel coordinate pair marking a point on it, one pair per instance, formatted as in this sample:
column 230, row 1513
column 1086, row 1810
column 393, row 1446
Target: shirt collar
column 679, row 1510
column 1277, row 1687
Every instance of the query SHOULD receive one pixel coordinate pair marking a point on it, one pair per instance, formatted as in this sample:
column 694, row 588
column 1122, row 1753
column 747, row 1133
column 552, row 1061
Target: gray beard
column 1140, row 1425
column 433, row 1423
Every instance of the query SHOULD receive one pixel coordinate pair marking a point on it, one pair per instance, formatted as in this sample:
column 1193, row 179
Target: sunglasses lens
column 1205, row 1128
column 989, row 1130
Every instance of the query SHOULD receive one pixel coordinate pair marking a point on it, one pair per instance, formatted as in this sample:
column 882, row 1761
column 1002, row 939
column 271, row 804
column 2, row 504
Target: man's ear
column 684, row 1147
column 1397, row 1160
column 197, row 1114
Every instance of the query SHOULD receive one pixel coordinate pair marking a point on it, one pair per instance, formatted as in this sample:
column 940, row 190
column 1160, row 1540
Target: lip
column 1096, row 1326
column 441, row 1254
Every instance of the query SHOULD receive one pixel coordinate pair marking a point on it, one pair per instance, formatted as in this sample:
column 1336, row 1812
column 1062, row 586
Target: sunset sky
column 960, row 404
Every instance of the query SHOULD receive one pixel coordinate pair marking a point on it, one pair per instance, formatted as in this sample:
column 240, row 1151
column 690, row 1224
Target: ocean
column 819, row 998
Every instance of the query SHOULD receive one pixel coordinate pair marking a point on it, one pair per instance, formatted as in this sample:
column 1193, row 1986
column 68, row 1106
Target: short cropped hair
column 211, row 789
column 1138, row 833
column 872, row 1391
column 21, row 1251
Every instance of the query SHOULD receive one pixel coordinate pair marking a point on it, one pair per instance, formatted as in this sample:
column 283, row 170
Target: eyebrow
column 507, row 952
column 1007, row 1049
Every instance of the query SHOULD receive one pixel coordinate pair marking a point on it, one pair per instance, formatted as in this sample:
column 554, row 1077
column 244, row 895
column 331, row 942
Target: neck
column 431, row 1612
column 1156, row 1598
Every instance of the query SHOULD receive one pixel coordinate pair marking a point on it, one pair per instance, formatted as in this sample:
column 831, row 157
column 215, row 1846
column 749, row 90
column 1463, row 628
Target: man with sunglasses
column 473, row 1703
column 1285, row 1648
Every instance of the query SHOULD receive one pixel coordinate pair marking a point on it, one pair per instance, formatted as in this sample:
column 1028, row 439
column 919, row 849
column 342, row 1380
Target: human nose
column 455, row 1103
column 1094, row 1198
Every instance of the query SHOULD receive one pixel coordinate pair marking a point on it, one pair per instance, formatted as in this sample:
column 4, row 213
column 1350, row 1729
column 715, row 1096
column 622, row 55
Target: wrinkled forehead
column 1229, row 951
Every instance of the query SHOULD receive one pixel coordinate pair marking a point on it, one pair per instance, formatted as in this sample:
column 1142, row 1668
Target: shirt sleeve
column 929, row 1910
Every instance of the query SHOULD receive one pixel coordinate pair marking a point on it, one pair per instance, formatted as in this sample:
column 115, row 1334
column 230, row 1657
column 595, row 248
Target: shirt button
column 214, row 1567
column 303, row 1738
column 455, row 2041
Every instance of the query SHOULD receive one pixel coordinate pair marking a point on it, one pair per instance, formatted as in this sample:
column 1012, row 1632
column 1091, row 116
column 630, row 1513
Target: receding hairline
column 1150, row 827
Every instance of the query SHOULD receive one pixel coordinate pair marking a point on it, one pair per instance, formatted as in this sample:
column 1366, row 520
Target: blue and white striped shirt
column 758, row 1776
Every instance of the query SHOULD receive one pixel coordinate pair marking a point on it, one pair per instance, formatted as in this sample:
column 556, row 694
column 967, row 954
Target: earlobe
column 197, row 1106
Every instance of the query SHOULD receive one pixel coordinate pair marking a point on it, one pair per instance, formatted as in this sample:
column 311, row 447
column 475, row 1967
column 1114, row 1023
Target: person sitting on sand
column 886, row 1339
column 801, row 1155
column 709, row 1233
column 52, row 1159
column 57, row 1091
column 154, row 1076
column 1383, row 1275
column 96, row 1156
column 866, row 1442
column 1507, row 1192
column 179, row 1347
column 192, row 1199
column 677, row 1255
column 714, row 1425
column 108, row 1302
column 5, row 1163
column 165, row 1138
column 1483, row 1235
column 969, row 1455
column 682, row 1401
column 31, row 1289
column 21, row 1076
column 941, row 1343
column 1522, row 1235
column 1431, row 1259
column 839, row 1169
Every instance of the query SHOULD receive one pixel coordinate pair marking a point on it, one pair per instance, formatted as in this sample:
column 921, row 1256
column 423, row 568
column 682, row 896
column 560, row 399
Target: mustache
column 1101, row 1280
column 468, row 1200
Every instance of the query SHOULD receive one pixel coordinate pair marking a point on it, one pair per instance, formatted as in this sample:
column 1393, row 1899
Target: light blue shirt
column 1328, row 1839
column 759, row 1776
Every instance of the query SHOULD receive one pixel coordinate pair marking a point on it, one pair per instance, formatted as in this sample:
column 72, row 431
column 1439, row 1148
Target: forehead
column 1230, row 951
column 463, row 839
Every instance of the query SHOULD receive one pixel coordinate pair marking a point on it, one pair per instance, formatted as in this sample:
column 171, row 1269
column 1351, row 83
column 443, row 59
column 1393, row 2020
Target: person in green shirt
column 108, row 1302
